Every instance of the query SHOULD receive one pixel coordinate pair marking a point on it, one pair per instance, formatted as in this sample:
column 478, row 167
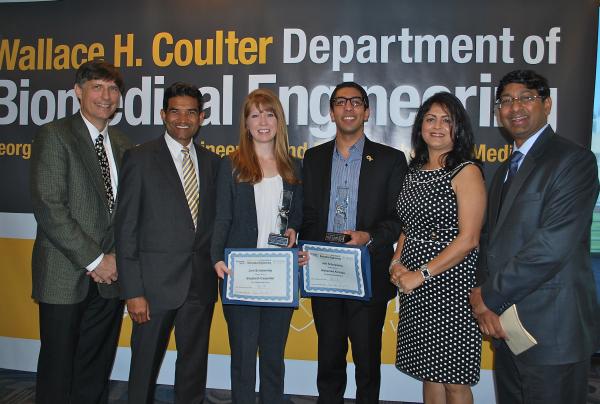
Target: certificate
column 336, row 270
column 261, row 277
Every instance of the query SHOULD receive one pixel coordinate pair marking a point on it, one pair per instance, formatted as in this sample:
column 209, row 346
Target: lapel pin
column 369, row 157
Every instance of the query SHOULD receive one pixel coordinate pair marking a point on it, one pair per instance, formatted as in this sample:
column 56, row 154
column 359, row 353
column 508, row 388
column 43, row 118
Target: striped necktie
column 190, row 184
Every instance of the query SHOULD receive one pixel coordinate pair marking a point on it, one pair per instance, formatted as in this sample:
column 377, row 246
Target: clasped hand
column 489, row 322
column 405, row 280
column 106, row 271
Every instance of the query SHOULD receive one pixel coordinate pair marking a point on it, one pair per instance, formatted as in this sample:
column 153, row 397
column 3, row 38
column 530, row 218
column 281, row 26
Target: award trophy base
column 340, row 238
column 278, row 240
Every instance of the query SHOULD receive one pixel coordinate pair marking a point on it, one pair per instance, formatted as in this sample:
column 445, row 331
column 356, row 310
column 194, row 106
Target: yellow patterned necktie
column 190, row 184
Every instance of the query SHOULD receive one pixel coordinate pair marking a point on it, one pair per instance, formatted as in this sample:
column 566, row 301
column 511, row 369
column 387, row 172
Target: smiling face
column 436, row 129
column 349, row 120
column 262, row 124
column 522, row 120
column 182, row 118
column 98, row 100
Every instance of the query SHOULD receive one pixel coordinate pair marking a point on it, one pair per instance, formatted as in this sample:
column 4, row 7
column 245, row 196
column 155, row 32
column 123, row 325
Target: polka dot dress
column 438, row 339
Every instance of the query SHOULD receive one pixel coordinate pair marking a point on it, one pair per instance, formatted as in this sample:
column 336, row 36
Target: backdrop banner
column 401, row 51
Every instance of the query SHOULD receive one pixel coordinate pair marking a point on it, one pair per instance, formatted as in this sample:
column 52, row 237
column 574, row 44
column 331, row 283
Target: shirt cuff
column 90, row 267
column 494, row 300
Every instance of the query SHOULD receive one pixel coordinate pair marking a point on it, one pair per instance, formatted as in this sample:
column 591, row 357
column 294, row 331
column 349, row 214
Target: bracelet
column 425, row 272
column 392, row 263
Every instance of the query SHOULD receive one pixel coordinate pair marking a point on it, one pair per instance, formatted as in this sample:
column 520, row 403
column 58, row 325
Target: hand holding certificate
column 336, row 270
column 261, row 277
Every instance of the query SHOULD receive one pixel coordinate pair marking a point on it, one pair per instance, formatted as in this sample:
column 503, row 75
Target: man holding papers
column 359, row 179
column 535, row 253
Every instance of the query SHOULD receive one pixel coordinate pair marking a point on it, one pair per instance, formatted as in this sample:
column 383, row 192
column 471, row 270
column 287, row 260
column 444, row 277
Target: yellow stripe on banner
column 487, row 355
column 19, row 317
column 19, row 314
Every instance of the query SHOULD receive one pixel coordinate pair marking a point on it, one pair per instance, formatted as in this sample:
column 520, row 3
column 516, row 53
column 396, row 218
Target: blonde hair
column 244, row 159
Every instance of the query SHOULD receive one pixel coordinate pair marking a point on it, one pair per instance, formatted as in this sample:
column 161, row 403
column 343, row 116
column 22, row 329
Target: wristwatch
column 425, row 272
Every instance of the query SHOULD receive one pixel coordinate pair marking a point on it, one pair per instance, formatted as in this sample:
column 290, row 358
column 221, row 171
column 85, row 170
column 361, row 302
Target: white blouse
column 267, row 197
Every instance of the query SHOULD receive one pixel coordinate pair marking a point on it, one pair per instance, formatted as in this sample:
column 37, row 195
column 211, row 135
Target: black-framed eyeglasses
column 507, row 102
column 354, row 101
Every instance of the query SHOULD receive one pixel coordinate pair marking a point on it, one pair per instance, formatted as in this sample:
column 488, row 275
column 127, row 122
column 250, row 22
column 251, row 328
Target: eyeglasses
column 354, row 101
column 507, row 102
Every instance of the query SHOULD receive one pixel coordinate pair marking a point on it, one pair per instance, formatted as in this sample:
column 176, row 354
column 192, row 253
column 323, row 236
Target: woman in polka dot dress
column 442, row 207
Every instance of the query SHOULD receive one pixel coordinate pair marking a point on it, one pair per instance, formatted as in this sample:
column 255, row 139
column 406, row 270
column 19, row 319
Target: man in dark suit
column 74, row 167
column 163, row 229
column 372, row 176
column 536, row 253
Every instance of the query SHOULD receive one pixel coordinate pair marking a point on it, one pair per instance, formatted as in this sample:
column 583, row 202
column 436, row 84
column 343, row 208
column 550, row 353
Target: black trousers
column 336, row 322
column 78, row 347
column 149, row 343
column 520, row 383
column 262, row 330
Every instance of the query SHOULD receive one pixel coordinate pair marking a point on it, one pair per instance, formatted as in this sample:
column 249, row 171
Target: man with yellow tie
column 164, row 223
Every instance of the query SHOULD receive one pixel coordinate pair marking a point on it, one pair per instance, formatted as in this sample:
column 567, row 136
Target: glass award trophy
column 342, row 201
column 279, row 239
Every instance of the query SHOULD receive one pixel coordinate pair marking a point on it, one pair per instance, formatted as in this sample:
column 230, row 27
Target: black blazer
column 159, row 253
column 236, row 223
column 381, row 175
column 536, row 250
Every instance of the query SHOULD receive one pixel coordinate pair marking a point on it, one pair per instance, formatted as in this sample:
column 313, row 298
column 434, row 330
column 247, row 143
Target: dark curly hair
column 463, row 148
column 181, row 89
column 528, row 78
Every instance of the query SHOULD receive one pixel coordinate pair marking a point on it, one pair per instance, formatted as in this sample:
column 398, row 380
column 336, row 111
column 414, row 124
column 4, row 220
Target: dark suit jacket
column 70, row 206
column 159, row 253
column 381, row 174
column 536, row 252
column 236, row 224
